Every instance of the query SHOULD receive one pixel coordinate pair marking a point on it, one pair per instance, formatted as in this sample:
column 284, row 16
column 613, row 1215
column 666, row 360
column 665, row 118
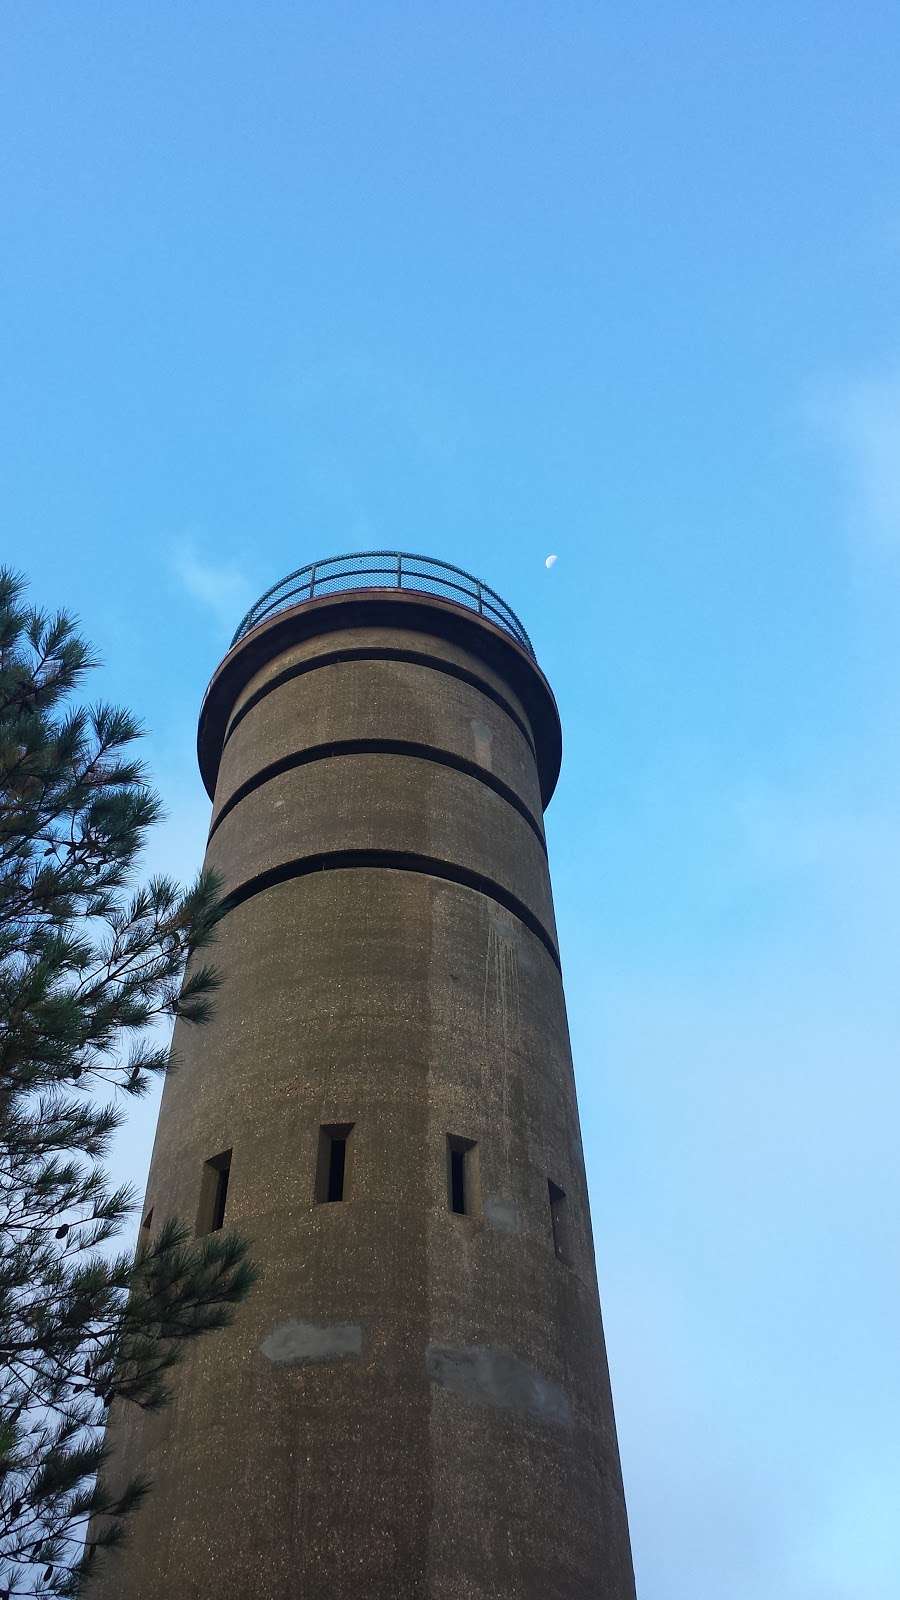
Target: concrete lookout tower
column 414, row 1401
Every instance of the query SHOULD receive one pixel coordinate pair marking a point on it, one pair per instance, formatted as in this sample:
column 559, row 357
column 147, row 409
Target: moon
column 551, row 561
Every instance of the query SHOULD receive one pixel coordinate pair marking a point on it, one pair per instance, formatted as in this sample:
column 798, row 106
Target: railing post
column 399, row 570
column 312, row 580
column 480, row 605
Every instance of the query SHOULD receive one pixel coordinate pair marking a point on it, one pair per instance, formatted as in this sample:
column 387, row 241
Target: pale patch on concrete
column 501, row 982
column 501, row 1214
column 295, row 1344
column 484, row 739
column 503, row 922
column 496, row 1378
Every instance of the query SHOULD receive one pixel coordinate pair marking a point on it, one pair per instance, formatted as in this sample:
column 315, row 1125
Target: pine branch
column 87, row 963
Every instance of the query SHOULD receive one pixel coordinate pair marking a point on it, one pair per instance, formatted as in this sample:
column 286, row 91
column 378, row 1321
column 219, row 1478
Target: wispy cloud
column 220, row 586
column 861, row 417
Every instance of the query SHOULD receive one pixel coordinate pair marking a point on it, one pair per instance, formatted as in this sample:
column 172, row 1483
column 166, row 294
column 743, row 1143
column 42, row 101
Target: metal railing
column 385, row 569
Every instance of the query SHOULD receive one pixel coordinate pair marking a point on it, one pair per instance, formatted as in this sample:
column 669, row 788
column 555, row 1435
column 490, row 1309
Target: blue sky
column 490, row 281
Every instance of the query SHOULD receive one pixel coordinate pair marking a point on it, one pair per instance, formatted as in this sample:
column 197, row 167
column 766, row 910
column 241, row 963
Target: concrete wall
column 413, row 1402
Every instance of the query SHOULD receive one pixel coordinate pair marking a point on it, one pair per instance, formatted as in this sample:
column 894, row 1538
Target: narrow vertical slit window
column 147, row 1222
column 214, row 1193
column 332, row 1164
column 462, row 1175
column 559, row 1221
column 458, row 1181
column 218, row 1216
column 337, row 1167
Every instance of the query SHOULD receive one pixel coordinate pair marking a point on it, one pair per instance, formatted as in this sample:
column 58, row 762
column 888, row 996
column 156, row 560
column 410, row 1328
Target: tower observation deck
column 413, row 1404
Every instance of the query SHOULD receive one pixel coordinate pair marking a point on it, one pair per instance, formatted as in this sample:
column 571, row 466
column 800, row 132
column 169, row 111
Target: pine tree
column 88, row 963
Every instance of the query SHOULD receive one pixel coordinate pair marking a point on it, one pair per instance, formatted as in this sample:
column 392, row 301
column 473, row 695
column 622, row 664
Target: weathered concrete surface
column 412, row 1403
column 386, row 802
column 451, row 633
column 362, row 698
column 496, row 1378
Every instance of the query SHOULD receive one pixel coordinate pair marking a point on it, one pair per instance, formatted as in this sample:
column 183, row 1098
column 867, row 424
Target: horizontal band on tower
column 414, row 657
column 396, row 861
column 379, row 747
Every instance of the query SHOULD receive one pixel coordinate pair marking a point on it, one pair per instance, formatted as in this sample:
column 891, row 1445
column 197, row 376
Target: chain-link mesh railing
column 385, row 569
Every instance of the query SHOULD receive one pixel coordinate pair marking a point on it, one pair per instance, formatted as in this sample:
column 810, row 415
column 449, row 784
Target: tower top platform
column 389, row 590
column 384, row 569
